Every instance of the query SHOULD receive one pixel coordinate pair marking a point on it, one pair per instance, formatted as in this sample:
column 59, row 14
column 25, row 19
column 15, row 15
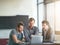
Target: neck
column 19, row 31
column 30, row 27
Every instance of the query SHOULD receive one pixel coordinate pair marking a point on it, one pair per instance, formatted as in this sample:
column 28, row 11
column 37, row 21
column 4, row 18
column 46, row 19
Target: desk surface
column 39, row 44
column 45, row 43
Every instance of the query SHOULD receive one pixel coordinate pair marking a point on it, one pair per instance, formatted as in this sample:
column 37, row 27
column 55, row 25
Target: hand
column 20, row 41
column 23, row 40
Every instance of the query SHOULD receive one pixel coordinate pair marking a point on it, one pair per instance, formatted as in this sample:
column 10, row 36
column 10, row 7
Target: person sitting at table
column 46, row 31
column 17, row 36
column 31, row 29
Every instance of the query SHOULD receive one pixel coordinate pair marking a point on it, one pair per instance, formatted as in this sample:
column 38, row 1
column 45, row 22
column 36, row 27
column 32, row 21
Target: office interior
column 38, row 9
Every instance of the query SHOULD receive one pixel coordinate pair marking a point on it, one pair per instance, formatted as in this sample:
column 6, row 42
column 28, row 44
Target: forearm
column 18, row 41
column 15, row 39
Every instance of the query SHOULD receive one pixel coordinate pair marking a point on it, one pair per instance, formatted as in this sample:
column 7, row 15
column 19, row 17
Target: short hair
column 45, row 21
column 21, row 23
column 31, row 19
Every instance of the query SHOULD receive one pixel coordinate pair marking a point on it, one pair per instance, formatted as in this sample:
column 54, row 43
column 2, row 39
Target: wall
column 50, row 17
column 50, row 14
column 53, row 16
column 13, row 7
column 57, row 15
column 17, row 7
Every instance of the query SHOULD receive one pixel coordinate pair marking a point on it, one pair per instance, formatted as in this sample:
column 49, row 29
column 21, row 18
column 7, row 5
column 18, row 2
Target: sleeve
column 27, row 36
column 42, row 32
column 13, row 32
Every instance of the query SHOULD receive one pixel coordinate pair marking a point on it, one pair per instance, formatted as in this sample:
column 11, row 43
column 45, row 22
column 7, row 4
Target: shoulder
column 25, row 30
column 35, row 27
column 13, row 31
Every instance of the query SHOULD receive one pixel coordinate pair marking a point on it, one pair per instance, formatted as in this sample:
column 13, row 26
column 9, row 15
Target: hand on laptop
column 23, row 40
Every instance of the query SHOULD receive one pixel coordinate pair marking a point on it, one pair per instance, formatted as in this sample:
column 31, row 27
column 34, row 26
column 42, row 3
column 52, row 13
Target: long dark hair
column 49, row 30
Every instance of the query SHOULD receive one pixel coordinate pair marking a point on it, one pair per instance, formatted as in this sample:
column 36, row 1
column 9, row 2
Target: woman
column 46, row 31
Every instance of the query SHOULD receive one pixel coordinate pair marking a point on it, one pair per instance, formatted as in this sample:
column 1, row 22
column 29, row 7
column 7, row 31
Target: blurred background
column 38, row 9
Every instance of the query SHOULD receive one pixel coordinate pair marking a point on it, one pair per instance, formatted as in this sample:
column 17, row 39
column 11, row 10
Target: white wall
column 57, row 15
column 51, row 17
column 51, row 14
column 17, row 7
column 13, row 7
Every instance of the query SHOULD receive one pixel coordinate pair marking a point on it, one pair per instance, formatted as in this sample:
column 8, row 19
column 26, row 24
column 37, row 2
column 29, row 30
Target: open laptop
column 36, row 39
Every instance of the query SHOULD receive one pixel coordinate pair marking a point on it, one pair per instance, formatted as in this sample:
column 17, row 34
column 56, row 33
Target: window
column 40, row 13
column 53, row 15
column 57, row 15
column 39, row 1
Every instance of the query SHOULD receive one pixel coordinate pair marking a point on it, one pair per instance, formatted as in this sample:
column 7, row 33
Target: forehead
column 20, row 26
column 44, row 24
column 32, row 21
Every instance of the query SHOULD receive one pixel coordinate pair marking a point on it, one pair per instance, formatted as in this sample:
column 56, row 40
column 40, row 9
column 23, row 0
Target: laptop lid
column 36, row 39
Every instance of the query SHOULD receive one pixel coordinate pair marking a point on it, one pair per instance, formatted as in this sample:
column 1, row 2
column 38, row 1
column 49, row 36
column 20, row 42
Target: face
column 20, row 29
column 45, row 26
column 31, row 23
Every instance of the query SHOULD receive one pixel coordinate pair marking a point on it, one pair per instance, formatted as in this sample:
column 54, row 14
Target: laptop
column 36, row 39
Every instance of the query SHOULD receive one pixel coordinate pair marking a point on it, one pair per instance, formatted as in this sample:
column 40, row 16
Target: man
column 17, row 36
column 32, row 30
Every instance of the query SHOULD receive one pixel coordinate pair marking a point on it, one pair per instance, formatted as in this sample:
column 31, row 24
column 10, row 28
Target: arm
column 14, row 36
column 27, row 35
column 15, row 39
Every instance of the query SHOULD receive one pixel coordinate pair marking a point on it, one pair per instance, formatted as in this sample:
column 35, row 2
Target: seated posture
column 17, row 36
column 31, row 29
column 46, row 31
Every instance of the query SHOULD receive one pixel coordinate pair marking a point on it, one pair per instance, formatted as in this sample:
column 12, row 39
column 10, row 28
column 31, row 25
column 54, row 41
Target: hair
column 31, row 19
column 45, row 21
column 49, row 30
column 21, row 23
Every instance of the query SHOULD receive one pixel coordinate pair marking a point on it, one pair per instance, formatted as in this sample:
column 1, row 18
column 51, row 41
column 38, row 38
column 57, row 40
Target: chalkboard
column 10, row 22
